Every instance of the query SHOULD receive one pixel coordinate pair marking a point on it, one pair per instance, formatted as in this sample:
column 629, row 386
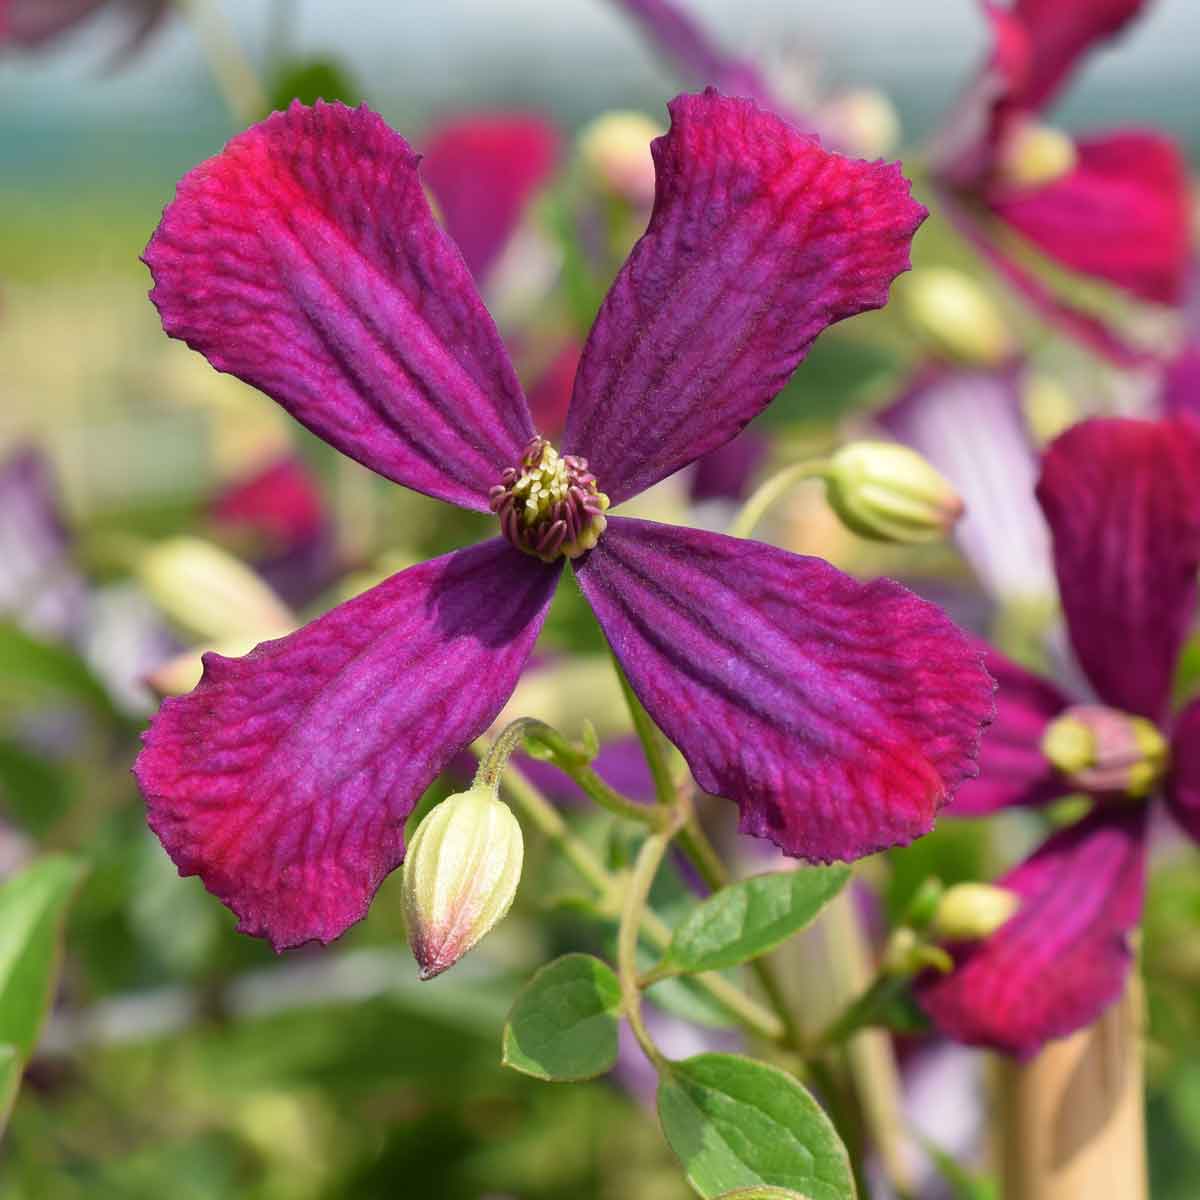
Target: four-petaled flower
column 304, row 259
column 1122, row 498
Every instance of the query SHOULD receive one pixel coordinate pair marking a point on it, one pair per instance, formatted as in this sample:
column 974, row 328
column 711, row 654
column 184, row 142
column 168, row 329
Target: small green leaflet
column 563, row 1025
column 749, row 918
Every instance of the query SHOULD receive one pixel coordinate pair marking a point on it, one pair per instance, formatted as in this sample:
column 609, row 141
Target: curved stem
column 771, row 490
column 637, row 892
column 651, row 739
column 751, row 1015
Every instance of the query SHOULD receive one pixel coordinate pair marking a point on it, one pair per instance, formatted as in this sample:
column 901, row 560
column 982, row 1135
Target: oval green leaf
column 563, row 1026
column 751, row 917
column 737, row 1124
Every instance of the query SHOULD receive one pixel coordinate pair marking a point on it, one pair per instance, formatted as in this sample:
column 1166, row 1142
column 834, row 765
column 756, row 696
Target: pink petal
column 550, row 392
column 1181, row 384
column 304, row 259
column 759, row 239
column 1123, row 501
column 838, row 716
column 483, row 170
column 1064, row 957
column 285, row 778
column 1183, row 782
column 1060, row 31
column 1012, row 768
column 1122, row 215
column 280, row 501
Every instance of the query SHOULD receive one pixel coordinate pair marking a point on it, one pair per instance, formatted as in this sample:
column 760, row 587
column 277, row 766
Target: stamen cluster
column 549, row 505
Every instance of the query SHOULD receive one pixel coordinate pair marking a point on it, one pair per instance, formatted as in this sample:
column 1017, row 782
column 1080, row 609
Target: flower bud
column 460, row 876
column 953, row 313
column 614, row 150
column 862, row 121
column 1034, row 155
column 969, row 912
column 1103, row 750
column 907, row 953
column 210, row 593
column 889, row 493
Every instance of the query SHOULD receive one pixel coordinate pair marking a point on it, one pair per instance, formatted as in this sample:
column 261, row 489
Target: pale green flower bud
column 969, row 912
column 210, row 593
column 956, row 316
column 907, row 953
column 460, row 876
column 889, row 493
column 1034, row 155
column 614, row 150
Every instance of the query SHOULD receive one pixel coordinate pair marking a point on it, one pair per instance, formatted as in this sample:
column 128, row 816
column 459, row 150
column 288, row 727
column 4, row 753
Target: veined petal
column 1058, row 963
column 285, row 778
column 1060, row 31
column 1183, row 782
column 1123, row 215
column 969, row 425
column 1123, row 501
column 483, row 170
column 1012, row 768
column 838, row 716
column 304, row 259
column 759, row 239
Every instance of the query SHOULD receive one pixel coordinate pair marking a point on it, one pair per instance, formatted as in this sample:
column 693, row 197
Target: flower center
column 548, row 504
column 1103, row 750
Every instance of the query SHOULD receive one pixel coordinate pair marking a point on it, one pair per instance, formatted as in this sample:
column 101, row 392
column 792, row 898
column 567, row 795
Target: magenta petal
column 285, row 778
column 1012, row 768
column 1183, row 782
column 1059, row 32
column 1064, row 957
column 304, row 259
column 759, row 239
column 1181, row 384
column 1123, row 501
column 838, row 716
column 483, row 170
column 1122, row 215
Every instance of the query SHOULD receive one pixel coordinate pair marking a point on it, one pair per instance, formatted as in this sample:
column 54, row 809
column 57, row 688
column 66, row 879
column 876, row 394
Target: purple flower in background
column 1122, row 498
column 1114, row 206
column 304, row 259
column 33, row 24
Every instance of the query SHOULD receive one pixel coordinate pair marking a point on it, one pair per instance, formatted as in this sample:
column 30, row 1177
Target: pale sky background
column 572, row 57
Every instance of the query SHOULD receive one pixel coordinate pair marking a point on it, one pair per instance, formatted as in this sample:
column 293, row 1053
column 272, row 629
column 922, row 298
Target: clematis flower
column 304, row 259
column 1122, row 498
column 33, row 24
column 1113, row 206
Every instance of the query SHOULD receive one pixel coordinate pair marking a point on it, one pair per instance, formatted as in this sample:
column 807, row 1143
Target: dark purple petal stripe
column 759, row 239
column 1064, row 957
column 285, row 778
column 838, row 716
column 1123, row 501
column 304, row 259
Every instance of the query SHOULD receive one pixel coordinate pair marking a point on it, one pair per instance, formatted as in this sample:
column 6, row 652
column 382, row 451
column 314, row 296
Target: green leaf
column 749, row 918
column 33, row 905
column 739, row 1124
column 312, row 79
column 762, row 1193
column 11, row 1066
column 563, row 1025
column 30, row 669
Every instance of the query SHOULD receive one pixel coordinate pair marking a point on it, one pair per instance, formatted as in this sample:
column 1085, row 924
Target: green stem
column 546, row 818
column 771, row 490
column 651, row 739
column 232, row 72
column 637, row 893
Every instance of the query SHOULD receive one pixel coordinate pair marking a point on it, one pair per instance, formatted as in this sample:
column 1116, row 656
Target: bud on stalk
column 949, row 310
column 970, row 912
column 889, row 493
column 460, row 876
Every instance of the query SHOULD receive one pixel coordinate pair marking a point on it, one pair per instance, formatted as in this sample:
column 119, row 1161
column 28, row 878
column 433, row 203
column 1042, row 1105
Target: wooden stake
column 1071, row 1121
